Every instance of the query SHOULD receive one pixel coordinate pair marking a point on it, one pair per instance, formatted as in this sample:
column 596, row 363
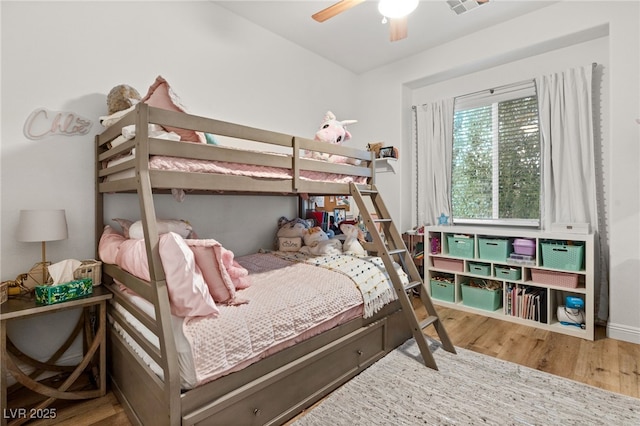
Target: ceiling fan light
column 397, row 8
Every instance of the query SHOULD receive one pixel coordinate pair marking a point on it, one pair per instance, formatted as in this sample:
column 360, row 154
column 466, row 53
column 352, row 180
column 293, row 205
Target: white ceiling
column 357, row 39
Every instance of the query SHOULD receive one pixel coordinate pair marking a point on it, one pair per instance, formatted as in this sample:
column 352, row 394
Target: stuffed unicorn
column 335, row 132
column 352, row 244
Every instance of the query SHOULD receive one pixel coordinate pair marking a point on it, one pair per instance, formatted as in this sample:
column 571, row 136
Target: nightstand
column 92, row 324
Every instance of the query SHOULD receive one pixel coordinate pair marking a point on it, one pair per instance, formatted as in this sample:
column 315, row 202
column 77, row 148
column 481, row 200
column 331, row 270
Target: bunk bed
column 146, row 373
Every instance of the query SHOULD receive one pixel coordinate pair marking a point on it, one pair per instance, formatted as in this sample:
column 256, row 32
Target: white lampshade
column 396, row 8
column 42, row 225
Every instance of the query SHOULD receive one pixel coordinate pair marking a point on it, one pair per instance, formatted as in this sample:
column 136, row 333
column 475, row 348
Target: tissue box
column 50, row 294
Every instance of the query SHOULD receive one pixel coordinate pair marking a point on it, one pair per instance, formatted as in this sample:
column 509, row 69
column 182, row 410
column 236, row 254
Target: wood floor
column 608, row 364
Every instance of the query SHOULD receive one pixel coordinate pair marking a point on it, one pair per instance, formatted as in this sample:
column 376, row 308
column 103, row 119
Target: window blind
column 496, row 156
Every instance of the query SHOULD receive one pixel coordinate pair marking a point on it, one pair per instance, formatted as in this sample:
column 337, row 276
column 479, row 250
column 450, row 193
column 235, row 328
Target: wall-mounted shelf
column 386, row 164
column 561, row 264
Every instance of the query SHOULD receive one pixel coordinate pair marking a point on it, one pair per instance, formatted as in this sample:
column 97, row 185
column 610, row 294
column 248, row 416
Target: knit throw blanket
column 367, row 272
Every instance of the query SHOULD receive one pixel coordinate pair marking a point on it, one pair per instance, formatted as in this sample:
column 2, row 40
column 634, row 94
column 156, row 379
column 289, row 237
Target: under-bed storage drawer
column 299, row 383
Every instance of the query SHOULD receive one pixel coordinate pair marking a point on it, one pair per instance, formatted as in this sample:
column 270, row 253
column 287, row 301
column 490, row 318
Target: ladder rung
column 368, row 191
column 412, row 285
column 428, row 321
column 381, row 220
column 397, row 251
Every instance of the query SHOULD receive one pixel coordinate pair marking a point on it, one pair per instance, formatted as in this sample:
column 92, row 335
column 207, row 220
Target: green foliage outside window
column 496, row 161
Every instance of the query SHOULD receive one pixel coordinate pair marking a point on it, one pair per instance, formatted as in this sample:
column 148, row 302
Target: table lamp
column 42, row 226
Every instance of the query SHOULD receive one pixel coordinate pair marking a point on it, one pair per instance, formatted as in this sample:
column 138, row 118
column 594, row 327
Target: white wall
column 68, row 55
column 501, row 52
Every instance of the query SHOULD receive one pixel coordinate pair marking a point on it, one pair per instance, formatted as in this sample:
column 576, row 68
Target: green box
column 50, row 294
column 443, row 290
column 483, row 269
column 494, row 249
column 508, row 273
column 461, row 246
column 561, row 256
column 481, row 298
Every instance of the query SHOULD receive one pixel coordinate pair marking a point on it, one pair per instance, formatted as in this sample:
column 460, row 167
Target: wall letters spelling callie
column 42, row 123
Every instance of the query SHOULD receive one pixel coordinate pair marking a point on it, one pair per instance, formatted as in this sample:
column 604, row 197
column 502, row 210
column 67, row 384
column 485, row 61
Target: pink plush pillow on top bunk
column 160, row 95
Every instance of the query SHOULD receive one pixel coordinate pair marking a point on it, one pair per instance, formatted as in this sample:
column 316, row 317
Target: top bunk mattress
column 195, row 165
column 278, row 163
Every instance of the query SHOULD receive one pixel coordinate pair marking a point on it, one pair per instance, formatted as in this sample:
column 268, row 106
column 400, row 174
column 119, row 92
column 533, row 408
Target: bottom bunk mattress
column 289, row 300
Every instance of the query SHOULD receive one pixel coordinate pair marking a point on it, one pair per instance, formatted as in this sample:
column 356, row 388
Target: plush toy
column 335, row 132
column 352, row 243
column 122, row 97
column 375, row 147
column 289, row 234
column 317, row 242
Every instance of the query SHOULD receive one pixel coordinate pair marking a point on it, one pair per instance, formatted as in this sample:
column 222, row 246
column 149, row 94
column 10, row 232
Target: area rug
column 468, row 389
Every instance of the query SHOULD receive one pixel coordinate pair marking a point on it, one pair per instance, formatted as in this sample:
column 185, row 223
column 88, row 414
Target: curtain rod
column 413, row 107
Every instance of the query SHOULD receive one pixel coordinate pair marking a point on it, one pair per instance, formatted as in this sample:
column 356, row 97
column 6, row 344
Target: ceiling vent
column 462, row 6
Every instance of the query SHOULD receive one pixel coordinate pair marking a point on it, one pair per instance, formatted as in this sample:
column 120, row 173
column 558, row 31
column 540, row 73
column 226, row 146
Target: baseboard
column 623, row 332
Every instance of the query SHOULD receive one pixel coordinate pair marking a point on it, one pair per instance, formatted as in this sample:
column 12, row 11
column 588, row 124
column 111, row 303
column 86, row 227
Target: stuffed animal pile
column 297, row 235
column 317, row 242
column 289, row 234
column 332, row 131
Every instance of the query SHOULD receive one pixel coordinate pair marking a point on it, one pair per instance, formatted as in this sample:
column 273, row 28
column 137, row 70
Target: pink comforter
column 280, row 313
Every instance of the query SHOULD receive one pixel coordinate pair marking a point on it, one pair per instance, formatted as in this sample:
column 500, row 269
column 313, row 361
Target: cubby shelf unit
column 460, row 269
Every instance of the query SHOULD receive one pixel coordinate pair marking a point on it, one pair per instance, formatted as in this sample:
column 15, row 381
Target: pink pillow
column 222, row 274
column 109, row 244
column 132, row 257
column 188, row 292
column 160, row 95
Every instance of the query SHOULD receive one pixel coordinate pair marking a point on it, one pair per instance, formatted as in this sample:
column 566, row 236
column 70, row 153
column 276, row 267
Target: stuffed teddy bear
column 354, row 236
column 375, row 148
column 335, row 132
column 317, row 242
column 289, row 234
column 122, row 97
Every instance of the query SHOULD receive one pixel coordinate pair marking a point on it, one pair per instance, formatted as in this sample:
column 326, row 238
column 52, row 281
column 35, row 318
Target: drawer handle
column 257, row 412
column 359, row 352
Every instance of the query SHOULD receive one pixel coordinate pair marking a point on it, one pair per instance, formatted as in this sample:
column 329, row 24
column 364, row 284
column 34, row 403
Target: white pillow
column 134, row 229
column 109, row 120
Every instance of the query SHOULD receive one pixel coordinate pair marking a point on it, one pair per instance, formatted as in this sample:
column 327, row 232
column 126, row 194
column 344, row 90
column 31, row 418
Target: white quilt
column 367, row 272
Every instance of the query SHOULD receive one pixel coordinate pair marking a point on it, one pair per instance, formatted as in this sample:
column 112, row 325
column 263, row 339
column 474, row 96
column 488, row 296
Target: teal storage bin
column 561, row 256
column 483, row 269
column 461, row 246
column 488, row 300
column 443, row 290
column 507, row 273
column 494, row 249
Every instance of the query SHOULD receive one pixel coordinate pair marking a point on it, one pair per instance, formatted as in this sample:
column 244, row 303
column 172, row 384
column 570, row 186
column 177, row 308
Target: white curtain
column 568, row 169
column 433, row 124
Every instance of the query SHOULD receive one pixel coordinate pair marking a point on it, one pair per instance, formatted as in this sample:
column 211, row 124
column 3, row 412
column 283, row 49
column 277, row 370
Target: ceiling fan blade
column 398, row 28
column 335, row 9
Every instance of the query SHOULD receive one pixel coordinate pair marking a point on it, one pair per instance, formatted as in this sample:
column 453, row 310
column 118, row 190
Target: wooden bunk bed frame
column 270, row 391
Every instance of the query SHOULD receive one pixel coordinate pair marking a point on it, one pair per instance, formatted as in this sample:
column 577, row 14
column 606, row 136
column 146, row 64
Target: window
column 495, row 170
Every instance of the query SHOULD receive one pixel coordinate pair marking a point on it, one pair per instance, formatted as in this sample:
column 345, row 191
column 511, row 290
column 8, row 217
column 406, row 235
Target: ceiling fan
column 394, row 10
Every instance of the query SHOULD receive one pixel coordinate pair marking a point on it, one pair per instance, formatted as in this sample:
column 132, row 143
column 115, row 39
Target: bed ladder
column 389, row 245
